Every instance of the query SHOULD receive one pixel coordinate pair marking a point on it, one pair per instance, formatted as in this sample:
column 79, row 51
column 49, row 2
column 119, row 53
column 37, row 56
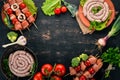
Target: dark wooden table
column 59, row 38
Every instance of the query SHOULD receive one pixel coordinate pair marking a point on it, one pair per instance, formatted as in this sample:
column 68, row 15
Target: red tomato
column 55, row 78
column 87, row 63
column 9, row 11
column 57, row 11
column 38, row 76
column 27, row 14
column 78, row 68
column 63, row 9
column 46, row 69
column 82, row 78
column 91, row 71
column 60, row 69
column 14, row 20
column 22, row 6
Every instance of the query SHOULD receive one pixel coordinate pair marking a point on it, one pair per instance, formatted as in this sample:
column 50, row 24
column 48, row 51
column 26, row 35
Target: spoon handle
column 6, row 45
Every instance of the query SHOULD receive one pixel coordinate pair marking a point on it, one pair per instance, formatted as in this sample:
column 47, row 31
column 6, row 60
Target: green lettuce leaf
column 31, row 6
column 49, row 6
column 99, row 25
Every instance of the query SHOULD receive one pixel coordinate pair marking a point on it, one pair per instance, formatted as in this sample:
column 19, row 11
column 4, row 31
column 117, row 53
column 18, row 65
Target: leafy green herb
column 83, row 56
column 99, row 25
column 82, row 2
column 96, row 9
column 71, row 8
column 33, row 69
column 75, row 61
column 31, row 6
column 49, row 6
column 12, row 36
column 7, row 21
column 6, row 68
column 111, row 56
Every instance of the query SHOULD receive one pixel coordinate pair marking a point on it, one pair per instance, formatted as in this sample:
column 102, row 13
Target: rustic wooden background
column 59, row 38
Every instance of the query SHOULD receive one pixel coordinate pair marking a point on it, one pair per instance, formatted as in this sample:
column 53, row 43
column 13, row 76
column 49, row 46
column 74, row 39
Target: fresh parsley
column 111, row 56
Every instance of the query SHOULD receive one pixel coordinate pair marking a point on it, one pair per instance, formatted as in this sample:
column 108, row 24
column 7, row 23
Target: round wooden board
column 86, row 22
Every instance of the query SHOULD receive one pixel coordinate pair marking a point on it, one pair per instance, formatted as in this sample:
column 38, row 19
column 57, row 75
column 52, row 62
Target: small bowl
column 6, row 72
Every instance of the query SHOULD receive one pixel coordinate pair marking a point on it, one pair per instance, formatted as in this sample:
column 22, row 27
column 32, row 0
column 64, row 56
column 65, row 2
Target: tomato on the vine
column 60, row 69
column 46, row 69
column 38, row 76
column 63, row 9
column 57, row 11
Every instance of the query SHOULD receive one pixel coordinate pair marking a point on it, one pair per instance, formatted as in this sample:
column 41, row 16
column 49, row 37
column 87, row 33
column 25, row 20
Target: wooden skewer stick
column 21, row 32
column 28, row 28
column 4, row 2
column 35, row 25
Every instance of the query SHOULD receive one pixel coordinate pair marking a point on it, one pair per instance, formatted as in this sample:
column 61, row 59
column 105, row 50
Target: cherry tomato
column 91, row 71
column 22, row 6
column 55, row 78
column 82, row 78
column 9, row 11
column 46, row 69
column 78, row 68
column 57, row 11
column 63, row 9
column 60, row 69
column 38, row 76
column 87, row 63
column 27, row 14
column 14, row 20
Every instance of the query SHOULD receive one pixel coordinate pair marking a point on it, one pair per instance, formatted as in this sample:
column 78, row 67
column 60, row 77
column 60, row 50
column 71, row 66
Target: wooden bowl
column 86, row 22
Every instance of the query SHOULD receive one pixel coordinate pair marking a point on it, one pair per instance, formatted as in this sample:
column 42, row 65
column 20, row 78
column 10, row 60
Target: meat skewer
column 29, row 16
column 19, row 18
column 85, row 64
column 91, row 72
column 86, row 69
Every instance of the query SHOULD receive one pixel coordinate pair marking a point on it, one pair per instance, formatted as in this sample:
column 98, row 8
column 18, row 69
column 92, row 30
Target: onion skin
column 102, row 42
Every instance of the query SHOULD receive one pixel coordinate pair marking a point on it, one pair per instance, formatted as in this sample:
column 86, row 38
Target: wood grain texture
column 59, row 38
